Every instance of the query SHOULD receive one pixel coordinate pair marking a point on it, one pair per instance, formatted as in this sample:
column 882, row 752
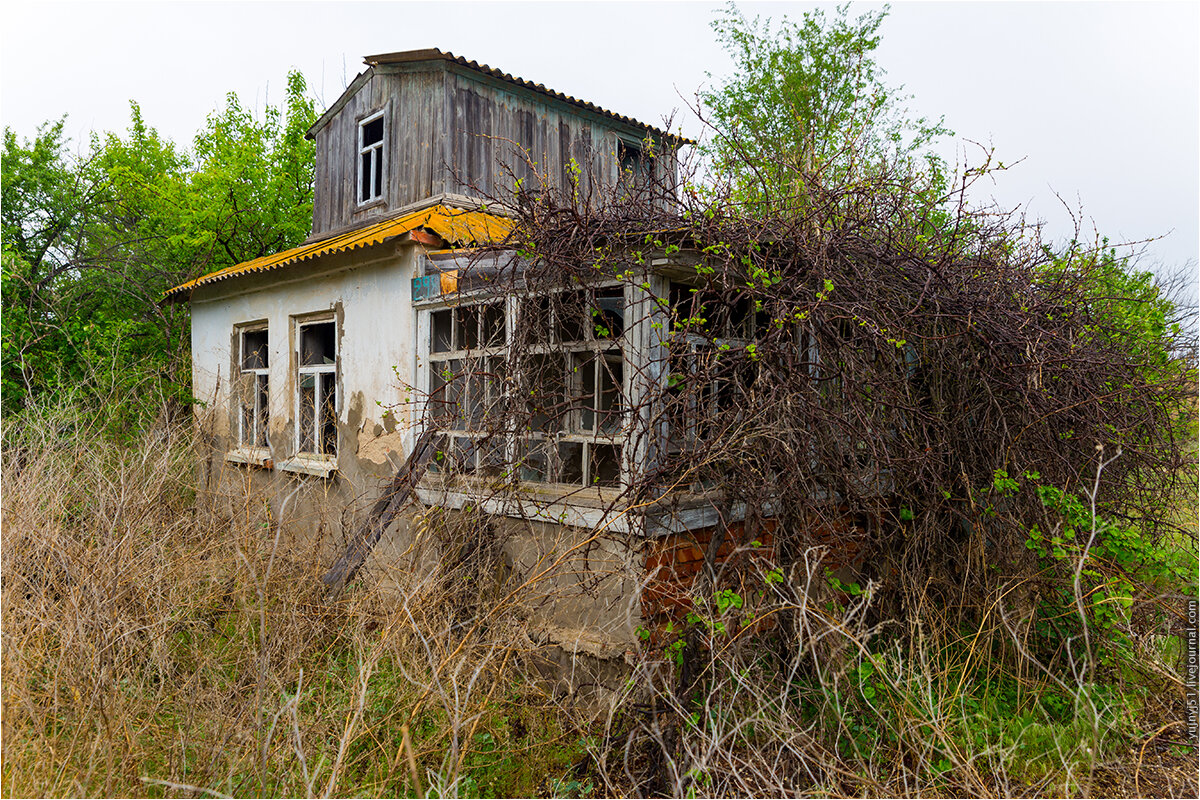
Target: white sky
column 1102, row 100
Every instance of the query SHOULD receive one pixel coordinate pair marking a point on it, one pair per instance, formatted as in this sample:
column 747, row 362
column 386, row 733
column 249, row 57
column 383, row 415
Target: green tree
column 807, row 107
column 45, row 197
column 91, row 242
column 253, row 184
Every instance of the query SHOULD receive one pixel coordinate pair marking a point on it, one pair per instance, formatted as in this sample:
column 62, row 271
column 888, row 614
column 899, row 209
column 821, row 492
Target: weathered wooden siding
column 494, row 125
column 412, row 150
column 452, row 130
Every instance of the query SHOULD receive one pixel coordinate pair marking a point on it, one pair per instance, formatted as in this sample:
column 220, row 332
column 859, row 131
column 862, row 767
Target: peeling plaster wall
column 367, row 292
column 587, row 585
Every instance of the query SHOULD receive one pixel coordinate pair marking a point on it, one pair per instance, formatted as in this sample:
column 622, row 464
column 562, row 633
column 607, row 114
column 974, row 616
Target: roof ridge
column 433, row 53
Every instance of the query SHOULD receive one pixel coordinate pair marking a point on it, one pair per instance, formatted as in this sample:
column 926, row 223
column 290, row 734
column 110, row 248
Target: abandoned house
column 324, row 364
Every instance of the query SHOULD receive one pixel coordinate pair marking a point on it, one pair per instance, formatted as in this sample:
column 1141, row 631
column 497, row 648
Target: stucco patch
column 376, row 449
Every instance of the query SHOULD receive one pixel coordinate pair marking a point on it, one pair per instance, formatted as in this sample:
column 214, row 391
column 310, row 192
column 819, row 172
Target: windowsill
column 320, row 466
column 250, row 457
column 559, row 510
column 600, row 508
column 539, row 491
column 378, row 202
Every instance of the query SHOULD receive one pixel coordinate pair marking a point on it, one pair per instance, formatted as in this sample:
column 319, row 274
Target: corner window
column 316, row 388
column 254, row 387
column 554, row 413
column 370, row 158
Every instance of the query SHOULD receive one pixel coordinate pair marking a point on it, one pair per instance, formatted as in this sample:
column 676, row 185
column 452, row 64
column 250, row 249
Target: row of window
column 315, row 381
column 551, row 410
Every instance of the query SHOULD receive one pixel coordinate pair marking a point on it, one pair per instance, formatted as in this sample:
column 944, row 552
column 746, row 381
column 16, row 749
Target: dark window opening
column 632, row 161
column 254, row 349
column 373, row 132
column 317, row 344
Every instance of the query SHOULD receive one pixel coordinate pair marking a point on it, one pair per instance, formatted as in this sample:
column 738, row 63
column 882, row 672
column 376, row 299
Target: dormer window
column 370, row 158
column 634, row 165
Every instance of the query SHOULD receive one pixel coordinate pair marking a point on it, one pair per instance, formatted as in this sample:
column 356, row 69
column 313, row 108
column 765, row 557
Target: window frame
column 378, row 157
column 244, row 449
column 316, row 370
column 570, row 428
column 261, row 415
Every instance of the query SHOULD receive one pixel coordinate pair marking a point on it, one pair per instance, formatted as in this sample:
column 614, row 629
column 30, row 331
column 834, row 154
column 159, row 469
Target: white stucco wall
column 370, row 291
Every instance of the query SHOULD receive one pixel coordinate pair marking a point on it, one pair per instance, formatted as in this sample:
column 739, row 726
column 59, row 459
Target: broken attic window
column 316, row 389
column 633, row 165
column 255, row 383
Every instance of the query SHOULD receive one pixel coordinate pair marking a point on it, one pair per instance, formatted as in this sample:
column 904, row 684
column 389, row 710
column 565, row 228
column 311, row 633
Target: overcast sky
column 1101, row 100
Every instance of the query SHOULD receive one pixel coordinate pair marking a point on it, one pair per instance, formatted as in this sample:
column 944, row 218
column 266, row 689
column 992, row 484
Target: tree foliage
column 92, row 240
column 808, row 103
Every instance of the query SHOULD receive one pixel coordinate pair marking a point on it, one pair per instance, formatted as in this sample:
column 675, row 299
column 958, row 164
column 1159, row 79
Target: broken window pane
column 365, row 177
column 247, row 421
column 583, row 373
column 467, row 328
column 447, row 383
column 493, row 325
column 606, row 465
column 608, row 318
column 612, row 378
column 545, row 396
column 308, row 405
column 574, row 317
column 442, row 324
column 536, row 319
column 533, row 461
column 453, row 393
column 570, row 457
column 254, row 349
column 741, row 318
column 634, row 166
column 318, row 344
column 438, row 376
column 328, row 413
column 263, row 406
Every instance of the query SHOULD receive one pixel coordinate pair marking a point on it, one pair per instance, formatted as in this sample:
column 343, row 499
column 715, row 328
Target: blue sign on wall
column 435, row 285
column 426, row 286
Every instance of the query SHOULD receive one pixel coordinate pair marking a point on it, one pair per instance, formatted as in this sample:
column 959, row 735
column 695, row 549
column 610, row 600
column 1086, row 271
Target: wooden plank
column 383, row 513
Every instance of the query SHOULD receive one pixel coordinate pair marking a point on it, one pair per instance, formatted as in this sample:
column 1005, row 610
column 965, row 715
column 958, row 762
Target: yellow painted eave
column 460, row 227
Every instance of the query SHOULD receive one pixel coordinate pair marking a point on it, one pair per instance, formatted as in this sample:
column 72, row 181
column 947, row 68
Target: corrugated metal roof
column 431, row 54
column 458, row 226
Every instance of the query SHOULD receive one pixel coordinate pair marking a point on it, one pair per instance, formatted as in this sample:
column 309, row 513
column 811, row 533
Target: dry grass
column 150, row 650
